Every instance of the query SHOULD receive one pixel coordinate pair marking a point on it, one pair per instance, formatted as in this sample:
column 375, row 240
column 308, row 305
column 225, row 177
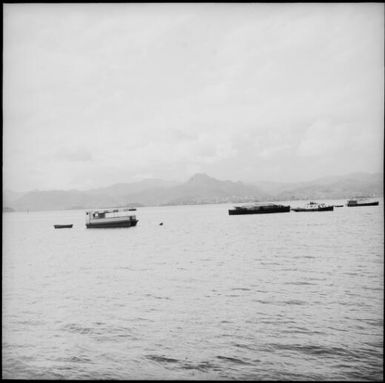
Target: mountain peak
column 200, row 177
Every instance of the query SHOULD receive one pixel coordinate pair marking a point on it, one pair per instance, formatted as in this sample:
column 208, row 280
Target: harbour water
column 290, row 296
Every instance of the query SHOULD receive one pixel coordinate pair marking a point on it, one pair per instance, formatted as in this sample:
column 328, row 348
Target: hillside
column 349, row 186
column 199, row 189
column 204, row 189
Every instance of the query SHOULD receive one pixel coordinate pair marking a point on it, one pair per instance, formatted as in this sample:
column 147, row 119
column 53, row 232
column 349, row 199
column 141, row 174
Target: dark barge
column 355, row 202
column 259, row 208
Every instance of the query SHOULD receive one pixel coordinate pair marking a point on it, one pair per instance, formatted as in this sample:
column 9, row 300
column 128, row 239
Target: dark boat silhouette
column 361, row 202
column 63, row 226
column 259, row 208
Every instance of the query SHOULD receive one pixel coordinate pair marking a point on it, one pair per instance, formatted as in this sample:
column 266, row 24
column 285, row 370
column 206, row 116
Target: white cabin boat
column 108, row 218
column 314, row 206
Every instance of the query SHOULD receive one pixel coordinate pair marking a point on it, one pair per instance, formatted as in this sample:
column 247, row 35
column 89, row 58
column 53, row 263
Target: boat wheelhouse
column 259, row 208
column 109, row 218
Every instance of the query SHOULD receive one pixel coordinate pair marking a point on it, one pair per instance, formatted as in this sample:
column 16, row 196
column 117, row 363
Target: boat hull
column 283, row 209
column 107, row 225
column 364, row 204
column 300, row 209
column 62, row 226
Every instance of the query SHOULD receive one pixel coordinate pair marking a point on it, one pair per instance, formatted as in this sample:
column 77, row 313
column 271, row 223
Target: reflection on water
column 204, row 296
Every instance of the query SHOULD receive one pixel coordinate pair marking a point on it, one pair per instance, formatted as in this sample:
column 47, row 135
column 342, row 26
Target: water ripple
column 210, row 297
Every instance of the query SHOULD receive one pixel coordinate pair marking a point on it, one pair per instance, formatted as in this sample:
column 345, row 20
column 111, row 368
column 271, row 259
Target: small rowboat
column 63, row 226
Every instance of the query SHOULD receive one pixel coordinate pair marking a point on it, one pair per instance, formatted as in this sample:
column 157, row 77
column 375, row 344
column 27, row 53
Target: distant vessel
column 63, row 226
column 361, row 202
column 259, row 208
column 110, row 218
column 314, row 206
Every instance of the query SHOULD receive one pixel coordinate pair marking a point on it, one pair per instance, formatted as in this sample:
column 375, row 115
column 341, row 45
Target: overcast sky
column 96, row 94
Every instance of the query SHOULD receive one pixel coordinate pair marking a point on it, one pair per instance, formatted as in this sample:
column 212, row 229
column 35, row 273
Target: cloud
column 73, row 154
column 325, row 138
column 107, row 92
column 274, row 151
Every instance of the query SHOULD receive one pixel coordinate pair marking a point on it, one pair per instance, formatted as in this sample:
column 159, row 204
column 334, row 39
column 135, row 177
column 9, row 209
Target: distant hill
column 204, row 189
column 335, row 187
column 121, row 190
column 9, row 196
column 7, row 209
column 199, row 189
column 61, row 200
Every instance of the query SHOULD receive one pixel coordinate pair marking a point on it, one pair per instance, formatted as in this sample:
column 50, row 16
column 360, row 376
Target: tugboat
column 363, row 201
column 110, row 218
column 314, row 206
column 259, row 208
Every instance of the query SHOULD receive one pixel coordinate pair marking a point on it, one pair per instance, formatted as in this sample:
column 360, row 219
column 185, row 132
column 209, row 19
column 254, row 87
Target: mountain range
column 199, row 189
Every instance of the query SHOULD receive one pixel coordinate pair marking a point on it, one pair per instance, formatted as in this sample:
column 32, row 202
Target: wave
column 162, row 359
column 232, row 359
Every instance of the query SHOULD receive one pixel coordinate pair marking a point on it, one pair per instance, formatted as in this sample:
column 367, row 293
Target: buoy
column 161, row 224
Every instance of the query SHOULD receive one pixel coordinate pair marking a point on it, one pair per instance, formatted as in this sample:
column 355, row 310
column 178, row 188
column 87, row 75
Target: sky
column 97, row 94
